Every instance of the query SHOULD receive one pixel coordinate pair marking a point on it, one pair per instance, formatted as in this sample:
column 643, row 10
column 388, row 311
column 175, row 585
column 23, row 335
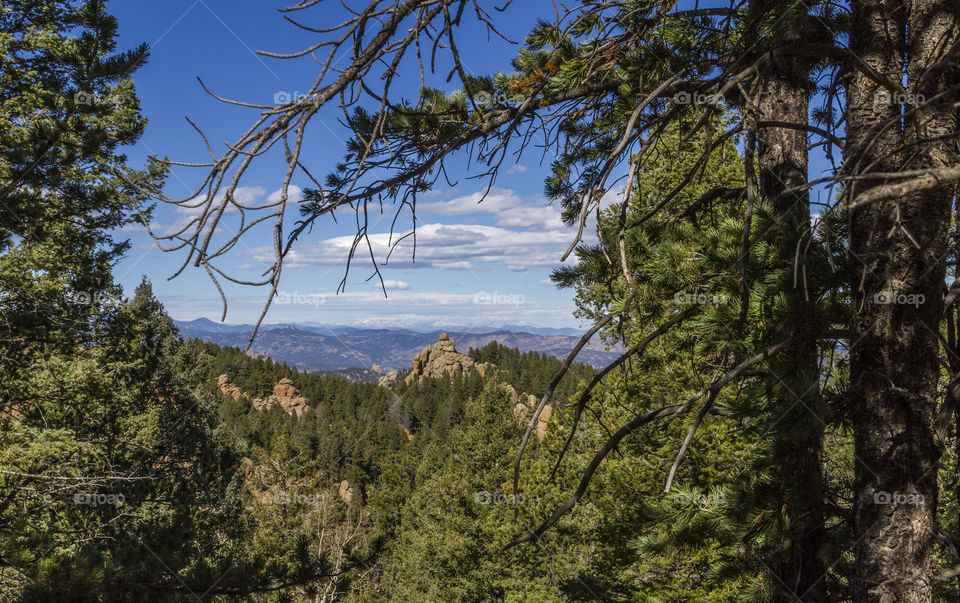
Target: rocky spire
column 437, row 360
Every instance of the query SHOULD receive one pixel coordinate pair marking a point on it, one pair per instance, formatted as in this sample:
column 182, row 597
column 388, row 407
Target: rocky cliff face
column 284, row 395
column 438, row 360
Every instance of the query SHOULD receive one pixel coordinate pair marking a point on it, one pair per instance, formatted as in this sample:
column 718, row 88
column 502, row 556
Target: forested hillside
column 366, row 476
column 387, row 482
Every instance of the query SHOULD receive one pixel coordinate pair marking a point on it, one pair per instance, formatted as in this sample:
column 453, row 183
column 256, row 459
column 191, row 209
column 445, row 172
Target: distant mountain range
column 315, row 348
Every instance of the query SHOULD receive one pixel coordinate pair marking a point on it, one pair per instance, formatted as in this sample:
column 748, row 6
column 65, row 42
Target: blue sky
column 484, row 264
column 476, row 265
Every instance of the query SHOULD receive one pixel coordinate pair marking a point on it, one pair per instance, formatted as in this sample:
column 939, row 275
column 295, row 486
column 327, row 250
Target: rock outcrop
column 284, row 395
column 227, row 388
column 287, row 397
column 525, row 404
column 442, row 359
column 389, row 379
column 346, row 491
column 438, row 360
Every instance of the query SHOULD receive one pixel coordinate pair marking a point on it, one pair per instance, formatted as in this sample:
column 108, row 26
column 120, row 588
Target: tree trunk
column 798, row 432
column 901, row 244
column 934, row 89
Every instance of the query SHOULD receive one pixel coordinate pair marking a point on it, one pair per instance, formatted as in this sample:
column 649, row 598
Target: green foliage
column 417, row 493
column 116, row 481
column 115, row 474
column 687, row 252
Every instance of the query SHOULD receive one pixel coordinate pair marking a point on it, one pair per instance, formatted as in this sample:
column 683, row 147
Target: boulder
column 285, row 389
column 543, row 420
column 523, row 407
column 298, row 406
column 288, row 398
column 346, row 492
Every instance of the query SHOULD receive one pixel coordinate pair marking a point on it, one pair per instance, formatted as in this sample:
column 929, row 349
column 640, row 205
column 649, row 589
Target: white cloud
column 546, row 282
column 458, row 266
column 294, row 195
column 518, row 169
column 244, row 195
column 438, row 193
column 495, row 201
column 247, row 196
column 135, row 227
column 612, row 196
column 449, row 246
column 815, row 220
column 539, row 218
column 370, row 308
column 511, row 210
column 395, row 285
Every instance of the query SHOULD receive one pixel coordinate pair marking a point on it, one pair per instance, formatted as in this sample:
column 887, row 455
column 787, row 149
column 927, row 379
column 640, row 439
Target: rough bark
column 901, row 244
column 782, row 159
column 931, row 129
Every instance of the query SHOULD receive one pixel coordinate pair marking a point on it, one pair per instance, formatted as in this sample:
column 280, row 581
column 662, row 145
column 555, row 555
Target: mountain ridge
column 321, row 349
column 205, row 324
